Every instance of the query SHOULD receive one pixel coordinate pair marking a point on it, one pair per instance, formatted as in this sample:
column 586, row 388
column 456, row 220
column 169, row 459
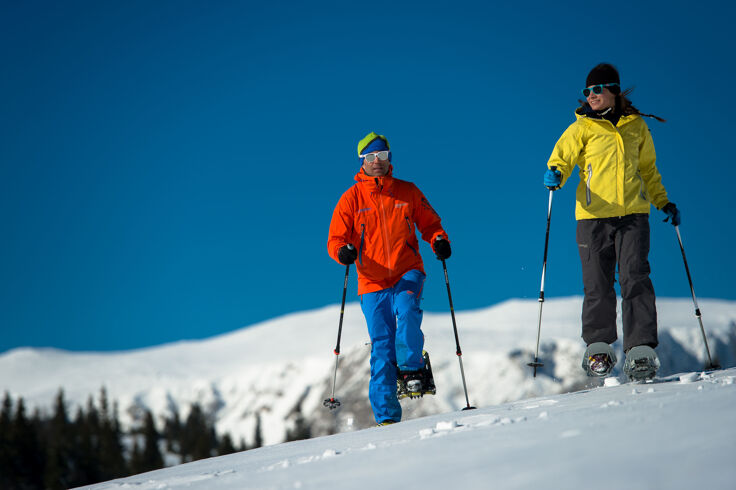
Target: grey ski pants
column 602, row 244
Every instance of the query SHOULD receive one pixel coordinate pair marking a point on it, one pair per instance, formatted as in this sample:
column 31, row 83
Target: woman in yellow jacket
column 612, row 148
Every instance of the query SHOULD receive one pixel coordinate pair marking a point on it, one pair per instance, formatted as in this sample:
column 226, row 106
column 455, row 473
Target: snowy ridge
column 281, row 370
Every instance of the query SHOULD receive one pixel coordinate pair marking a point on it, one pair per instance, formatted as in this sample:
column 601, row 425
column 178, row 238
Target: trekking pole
column 711, row 364
column 536, row 362
column 457, row 340
column 332, row 402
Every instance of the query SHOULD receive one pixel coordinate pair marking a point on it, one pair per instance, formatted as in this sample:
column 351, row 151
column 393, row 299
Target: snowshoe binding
column 415, row 384
column 599, row 359
column 641, row 363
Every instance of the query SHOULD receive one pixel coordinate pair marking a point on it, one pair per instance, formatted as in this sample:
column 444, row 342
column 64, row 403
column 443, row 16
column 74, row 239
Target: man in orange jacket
column 373, row 226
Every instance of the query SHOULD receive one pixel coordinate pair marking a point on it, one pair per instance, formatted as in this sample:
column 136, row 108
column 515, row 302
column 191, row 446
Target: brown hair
column 624, row 105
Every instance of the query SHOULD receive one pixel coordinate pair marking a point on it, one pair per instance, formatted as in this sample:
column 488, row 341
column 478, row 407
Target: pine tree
column 112, row 460
column 136, row 457
column 301, row 429
column 225, row 445
column 198, row 437
column 152, row 459
column 258, row 437
column 172, row 433
column 26, row 450
column 58, row 448
column 86, row 447
column 5, row 441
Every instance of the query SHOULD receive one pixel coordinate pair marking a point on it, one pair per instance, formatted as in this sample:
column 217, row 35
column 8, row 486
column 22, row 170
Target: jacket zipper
column 385, row 234
column 362, row 242
column 587, row 184
column 408, row 224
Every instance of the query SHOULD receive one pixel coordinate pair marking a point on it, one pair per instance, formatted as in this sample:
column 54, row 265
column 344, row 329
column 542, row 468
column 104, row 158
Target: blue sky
column 168, row 169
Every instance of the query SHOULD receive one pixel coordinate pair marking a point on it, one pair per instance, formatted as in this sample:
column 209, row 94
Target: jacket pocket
column 642, row 187
column 588, row 198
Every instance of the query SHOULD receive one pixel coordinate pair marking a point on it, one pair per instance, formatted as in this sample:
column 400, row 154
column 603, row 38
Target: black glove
column 672, row 212
column 347, row 254
column 442, row 249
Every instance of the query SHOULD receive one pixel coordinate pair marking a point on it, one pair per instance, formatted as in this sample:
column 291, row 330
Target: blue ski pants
column 394, row 321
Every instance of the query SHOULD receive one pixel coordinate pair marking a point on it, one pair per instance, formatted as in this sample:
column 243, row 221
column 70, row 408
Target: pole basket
column 331, row 403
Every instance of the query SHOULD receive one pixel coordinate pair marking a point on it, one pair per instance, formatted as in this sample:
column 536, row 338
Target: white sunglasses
column 371, row 157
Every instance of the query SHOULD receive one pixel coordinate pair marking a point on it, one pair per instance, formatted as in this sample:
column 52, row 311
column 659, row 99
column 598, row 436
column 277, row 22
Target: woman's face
column 601, row 101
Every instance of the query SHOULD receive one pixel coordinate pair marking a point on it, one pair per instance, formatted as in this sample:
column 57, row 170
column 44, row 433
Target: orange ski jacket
column 378, row 216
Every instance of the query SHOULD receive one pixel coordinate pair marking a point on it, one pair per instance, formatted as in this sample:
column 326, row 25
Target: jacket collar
column 585, row 111
column 375, row 183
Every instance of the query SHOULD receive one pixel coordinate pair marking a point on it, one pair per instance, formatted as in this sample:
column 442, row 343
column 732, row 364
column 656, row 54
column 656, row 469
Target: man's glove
column 672, row 212
column 441, row 248
column 347, row 254
column 552, row 179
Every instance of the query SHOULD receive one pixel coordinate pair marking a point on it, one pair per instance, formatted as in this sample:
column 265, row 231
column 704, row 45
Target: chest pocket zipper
column 362, row 242
column 408, row 223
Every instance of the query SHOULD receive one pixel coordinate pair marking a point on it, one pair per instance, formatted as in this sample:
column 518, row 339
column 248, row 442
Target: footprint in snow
column 442, row 428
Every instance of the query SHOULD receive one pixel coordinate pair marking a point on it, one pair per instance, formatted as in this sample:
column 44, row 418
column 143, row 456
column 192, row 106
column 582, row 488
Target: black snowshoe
column 641, row 363
column 599, row 359
column 415, row 384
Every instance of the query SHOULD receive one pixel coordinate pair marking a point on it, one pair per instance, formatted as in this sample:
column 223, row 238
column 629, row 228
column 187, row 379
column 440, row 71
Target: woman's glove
column 672, row 212
column 552, row 179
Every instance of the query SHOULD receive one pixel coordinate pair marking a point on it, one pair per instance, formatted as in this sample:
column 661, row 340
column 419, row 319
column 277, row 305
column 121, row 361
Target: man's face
column 377, row 167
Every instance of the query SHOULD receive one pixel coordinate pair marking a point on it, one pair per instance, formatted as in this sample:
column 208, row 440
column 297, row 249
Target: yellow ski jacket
column 618, row 175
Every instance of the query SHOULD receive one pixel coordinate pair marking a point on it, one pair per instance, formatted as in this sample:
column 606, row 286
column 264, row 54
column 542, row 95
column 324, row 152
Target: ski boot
column 415, row 384
column 599, row 359
column 641, row 363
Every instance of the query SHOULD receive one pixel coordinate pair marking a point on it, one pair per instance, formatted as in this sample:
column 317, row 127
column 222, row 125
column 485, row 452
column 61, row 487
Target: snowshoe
column 415, row 384
column 599, row 359
column 641, row 363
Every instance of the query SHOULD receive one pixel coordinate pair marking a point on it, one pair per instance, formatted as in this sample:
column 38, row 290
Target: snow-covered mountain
column 675, row 434
column 281, row 370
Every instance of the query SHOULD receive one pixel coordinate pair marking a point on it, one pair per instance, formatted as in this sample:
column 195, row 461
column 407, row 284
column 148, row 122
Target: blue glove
column 552, row 179
column 672, row 212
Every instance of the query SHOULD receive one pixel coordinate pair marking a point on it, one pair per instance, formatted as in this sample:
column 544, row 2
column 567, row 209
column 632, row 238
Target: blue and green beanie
column 373, row 142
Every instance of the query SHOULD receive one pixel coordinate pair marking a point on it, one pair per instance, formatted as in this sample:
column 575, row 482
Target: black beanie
column 602, row 74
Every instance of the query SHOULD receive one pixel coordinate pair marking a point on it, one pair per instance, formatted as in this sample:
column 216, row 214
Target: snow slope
column 282, row 369
column 676, row 434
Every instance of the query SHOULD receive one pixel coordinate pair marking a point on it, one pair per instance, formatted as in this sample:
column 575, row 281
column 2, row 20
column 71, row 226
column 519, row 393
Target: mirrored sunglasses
column 597, row 89
column 371, row 157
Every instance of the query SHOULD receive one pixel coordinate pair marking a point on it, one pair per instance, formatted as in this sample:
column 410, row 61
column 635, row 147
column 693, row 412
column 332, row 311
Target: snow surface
column 283, row 368
column 679, row 433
